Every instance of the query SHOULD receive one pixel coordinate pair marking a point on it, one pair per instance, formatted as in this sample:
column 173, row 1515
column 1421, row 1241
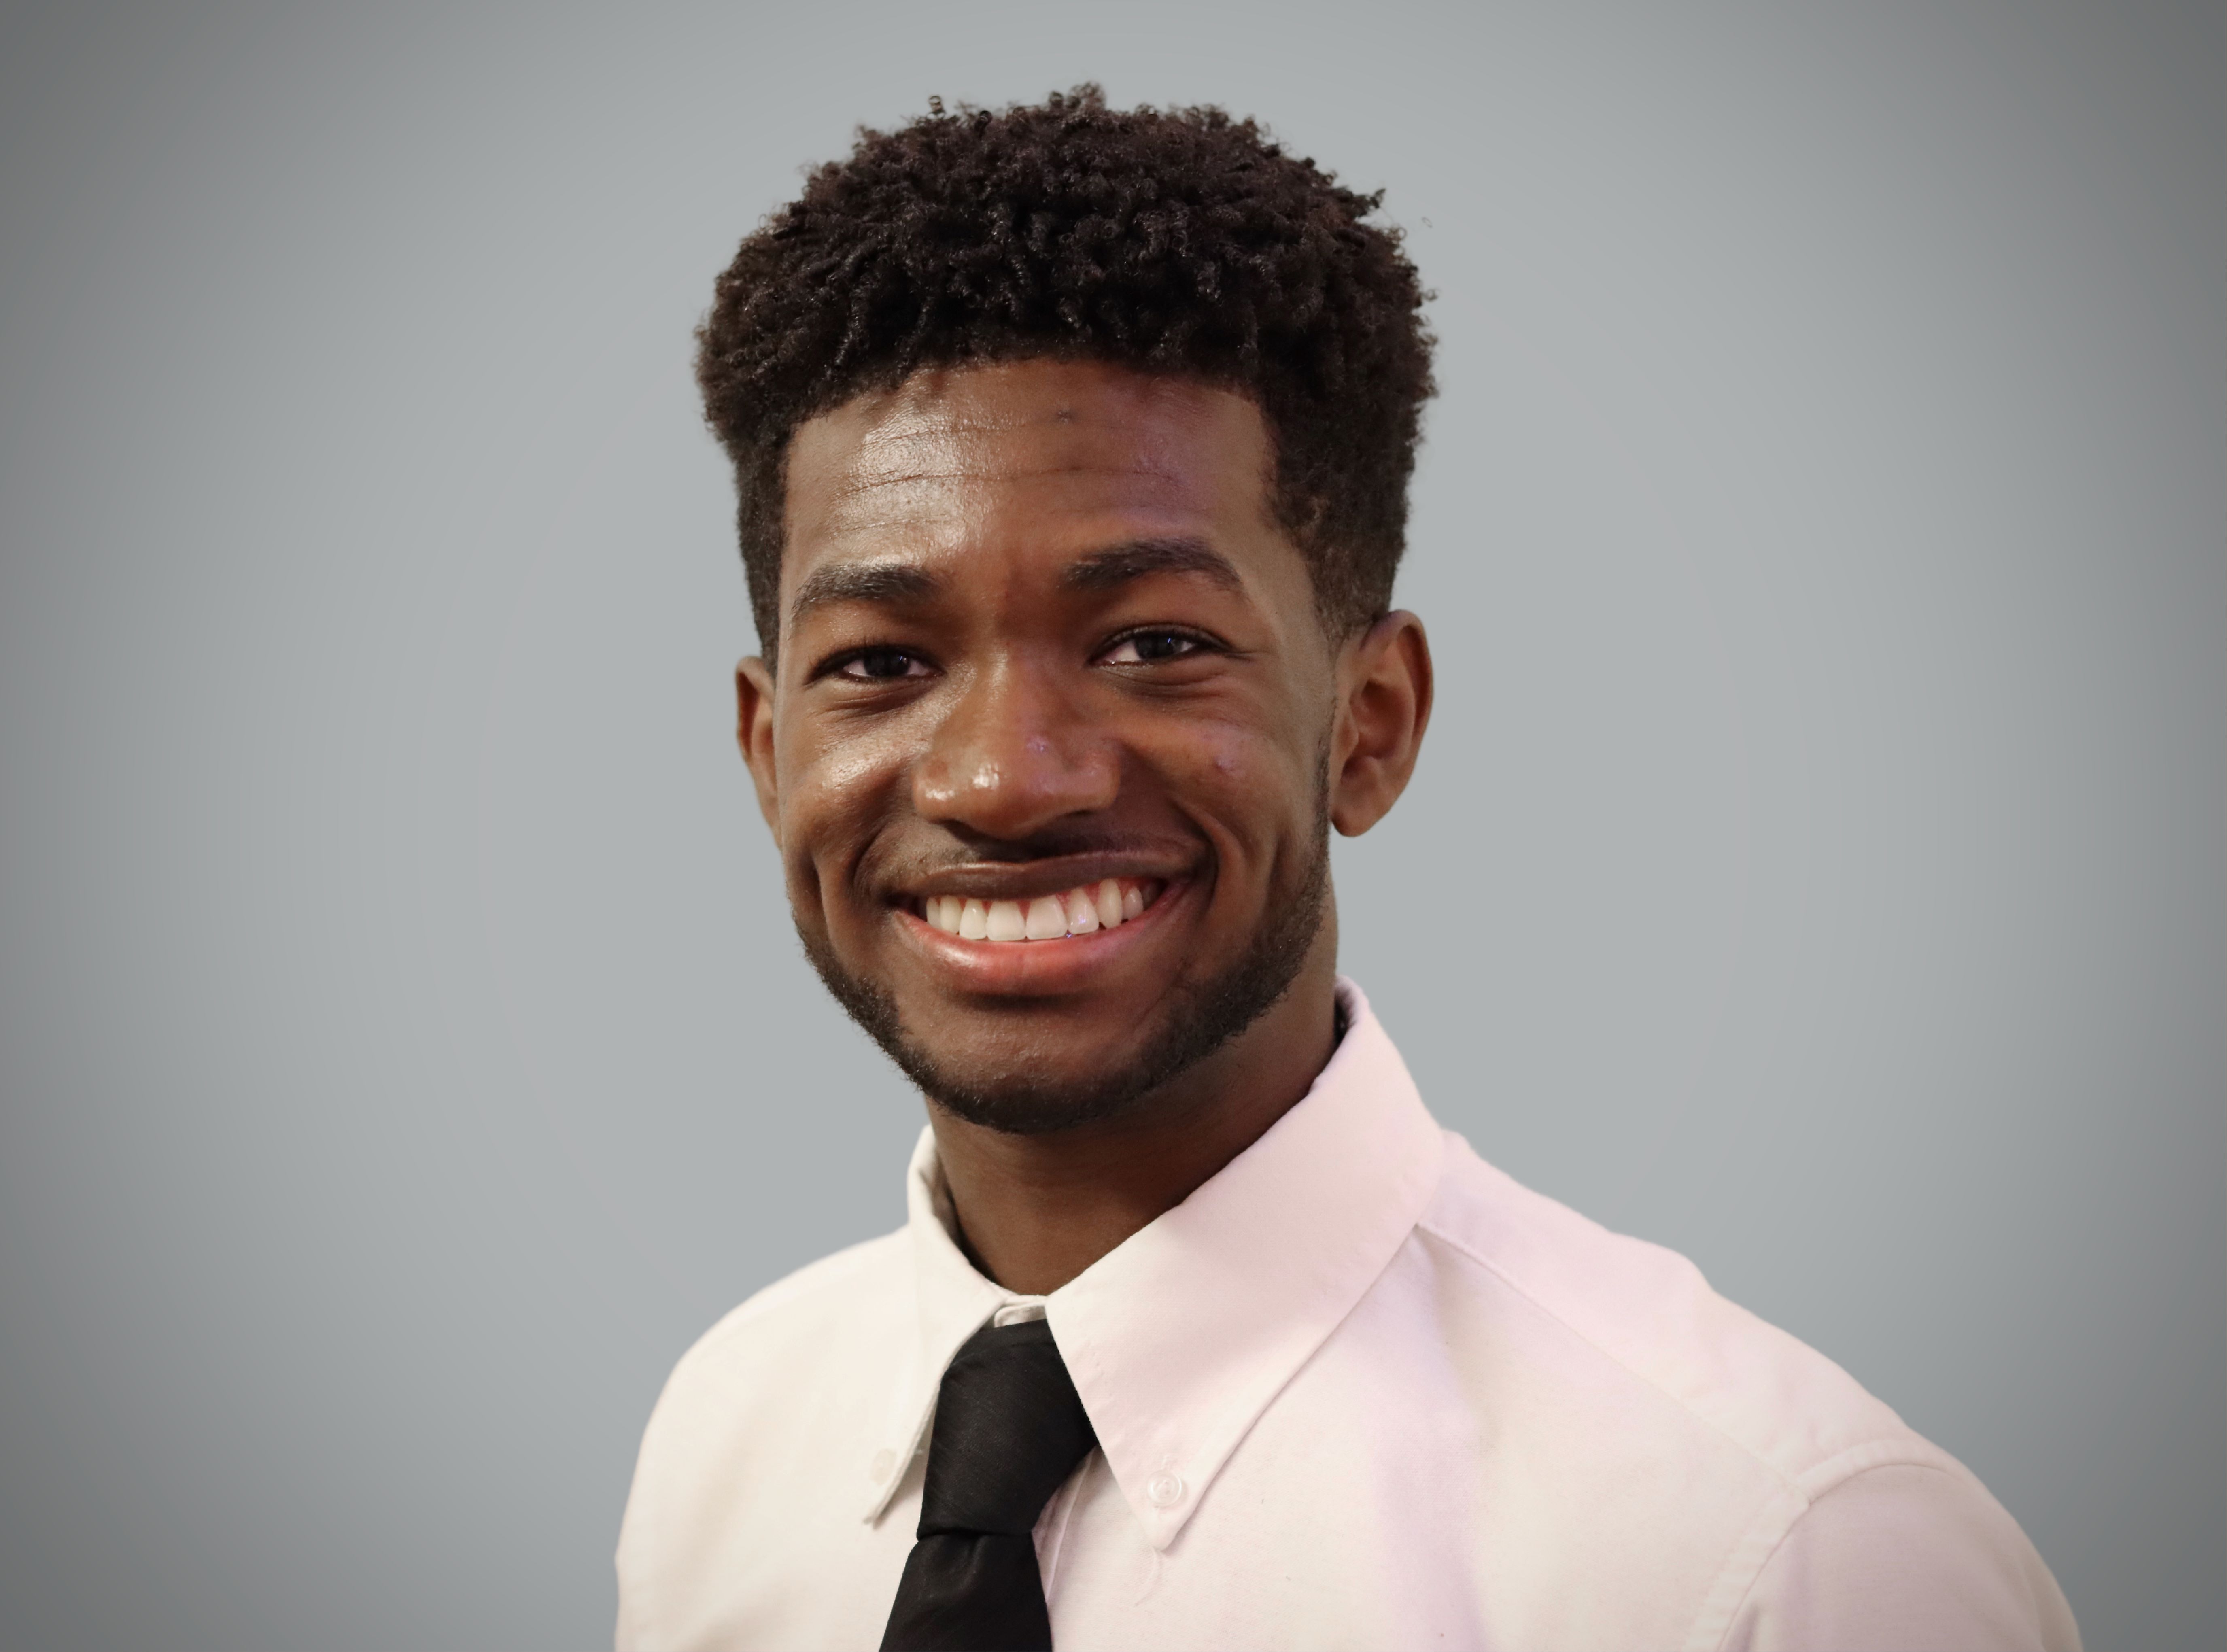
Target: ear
column 754, row 734
column 1384, row 704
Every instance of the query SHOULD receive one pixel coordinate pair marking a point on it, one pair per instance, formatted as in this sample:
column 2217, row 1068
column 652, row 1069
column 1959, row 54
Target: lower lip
column 1039, row 968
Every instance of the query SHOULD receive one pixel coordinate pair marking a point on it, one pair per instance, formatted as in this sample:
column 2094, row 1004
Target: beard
column 1206, row 1015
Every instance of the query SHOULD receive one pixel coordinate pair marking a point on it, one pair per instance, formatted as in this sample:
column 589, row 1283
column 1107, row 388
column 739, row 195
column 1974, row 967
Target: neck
column 1034, row 1211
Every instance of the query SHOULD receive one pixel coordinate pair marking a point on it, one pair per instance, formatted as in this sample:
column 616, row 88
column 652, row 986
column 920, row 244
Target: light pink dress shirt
column 1359, row 1390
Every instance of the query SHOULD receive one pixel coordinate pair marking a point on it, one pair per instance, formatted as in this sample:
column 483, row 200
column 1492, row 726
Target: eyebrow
column 1118, row 565
column 869, row 582
column 905, row 582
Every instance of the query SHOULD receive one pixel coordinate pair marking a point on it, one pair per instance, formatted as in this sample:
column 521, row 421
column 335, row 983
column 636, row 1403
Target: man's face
column 1051, row 678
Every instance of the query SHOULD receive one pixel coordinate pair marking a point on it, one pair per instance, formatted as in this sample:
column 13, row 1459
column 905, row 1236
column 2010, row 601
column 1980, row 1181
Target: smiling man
column 1072, row 448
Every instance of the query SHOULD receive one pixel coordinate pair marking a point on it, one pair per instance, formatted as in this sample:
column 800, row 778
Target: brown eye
column 1150, row 648
column 882, row 665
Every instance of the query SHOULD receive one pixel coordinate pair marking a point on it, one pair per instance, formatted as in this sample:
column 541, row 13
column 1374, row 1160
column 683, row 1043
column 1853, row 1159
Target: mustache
column 968, row 849
column 1080, row 852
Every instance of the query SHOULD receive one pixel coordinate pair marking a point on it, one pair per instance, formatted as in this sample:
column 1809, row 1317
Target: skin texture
column 1038, row 628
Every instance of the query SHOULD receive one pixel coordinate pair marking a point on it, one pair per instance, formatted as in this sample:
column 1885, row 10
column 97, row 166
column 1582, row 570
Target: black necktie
column 1009, row 1429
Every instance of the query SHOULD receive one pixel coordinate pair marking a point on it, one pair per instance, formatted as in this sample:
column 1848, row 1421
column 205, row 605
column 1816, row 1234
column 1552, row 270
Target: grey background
column 1816, row 864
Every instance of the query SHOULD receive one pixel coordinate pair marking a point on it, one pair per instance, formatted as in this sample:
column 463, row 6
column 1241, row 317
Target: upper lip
column 1025, row 880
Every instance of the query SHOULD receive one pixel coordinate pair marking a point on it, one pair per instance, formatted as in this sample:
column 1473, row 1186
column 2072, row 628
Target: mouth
column 1085, row 909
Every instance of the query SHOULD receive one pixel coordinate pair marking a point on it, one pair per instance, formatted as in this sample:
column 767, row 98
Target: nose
column 1012, row 755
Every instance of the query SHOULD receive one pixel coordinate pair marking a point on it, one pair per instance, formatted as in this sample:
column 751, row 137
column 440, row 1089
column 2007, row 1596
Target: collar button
column 1164, row 1490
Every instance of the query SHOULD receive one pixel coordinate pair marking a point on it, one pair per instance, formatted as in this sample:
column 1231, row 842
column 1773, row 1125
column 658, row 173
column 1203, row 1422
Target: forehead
column 1046, row 451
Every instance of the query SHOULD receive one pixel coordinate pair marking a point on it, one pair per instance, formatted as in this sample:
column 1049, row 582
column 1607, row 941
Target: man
column 1073, row 448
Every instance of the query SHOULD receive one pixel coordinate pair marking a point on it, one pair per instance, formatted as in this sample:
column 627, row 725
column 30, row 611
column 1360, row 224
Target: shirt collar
column 1179, row 1337
column 952, row 1300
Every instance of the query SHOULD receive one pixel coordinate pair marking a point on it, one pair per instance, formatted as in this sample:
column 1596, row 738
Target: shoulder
column 1904, row 1555
column 1726, row 1375
column 742, row 1466
column 784, row 1364
column 764, row 1398
column 818, row 1314
column 1680, row 1433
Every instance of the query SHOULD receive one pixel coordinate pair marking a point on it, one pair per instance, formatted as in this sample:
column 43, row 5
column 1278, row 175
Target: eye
column 1151, row 648
column 880, row 665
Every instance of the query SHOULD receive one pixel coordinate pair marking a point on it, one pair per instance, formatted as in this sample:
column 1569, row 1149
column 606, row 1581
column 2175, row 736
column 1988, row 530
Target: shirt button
column 1164, row 1490
column 884, row 1461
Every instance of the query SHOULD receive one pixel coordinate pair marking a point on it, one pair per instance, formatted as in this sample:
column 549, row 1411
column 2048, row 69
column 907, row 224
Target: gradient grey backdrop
column 1817, row 863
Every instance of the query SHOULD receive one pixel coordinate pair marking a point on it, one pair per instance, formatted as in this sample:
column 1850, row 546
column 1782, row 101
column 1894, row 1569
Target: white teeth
column 1081, row 913
column 1083, row 910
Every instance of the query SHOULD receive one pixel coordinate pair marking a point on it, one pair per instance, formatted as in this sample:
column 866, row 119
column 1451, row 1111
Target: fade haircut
column 1169, row 241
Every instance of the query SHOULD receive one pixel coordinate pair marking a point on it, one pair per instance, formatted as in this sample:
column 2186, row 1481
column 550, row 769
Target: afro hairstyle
column 1168, row 241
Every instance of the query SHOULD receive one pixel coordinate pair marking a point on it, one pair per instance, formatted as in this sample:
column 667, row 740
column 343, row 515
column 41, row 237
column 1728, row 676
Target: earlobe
column 1385, row 688
column 754, row 735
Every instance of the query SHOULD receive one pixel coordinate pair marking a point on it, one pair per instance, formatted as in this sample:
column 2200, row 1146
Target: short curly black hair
column 1178, row 241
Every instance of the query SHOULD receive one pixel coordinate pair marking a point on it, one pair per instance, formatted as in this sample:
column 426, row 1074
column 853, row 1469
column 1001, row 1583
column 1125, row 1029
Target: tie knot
column 1009, row 1428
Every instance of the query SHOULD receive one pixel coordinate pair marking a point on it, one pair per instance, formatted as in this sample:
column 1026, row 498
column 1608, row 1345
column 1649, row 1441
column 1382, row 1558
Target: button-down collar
column 1429, row 1408
column 1179, row 1337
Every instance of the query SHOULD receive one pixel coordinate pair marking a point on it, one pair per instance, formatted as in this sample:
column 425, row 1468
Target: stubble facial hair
column 1206, row 1015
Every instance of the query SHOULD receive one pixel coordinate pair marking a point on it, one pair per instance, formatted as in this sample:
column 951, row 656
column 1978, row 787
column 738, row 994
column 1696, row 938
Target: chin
column 1028, row 1108
column 1004, row 1082
column 1198, row 1022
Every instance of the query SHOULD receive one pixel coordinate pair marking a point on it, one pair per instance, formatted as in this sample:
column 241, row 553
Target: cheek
column 830, row 802
column 1253, row 794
